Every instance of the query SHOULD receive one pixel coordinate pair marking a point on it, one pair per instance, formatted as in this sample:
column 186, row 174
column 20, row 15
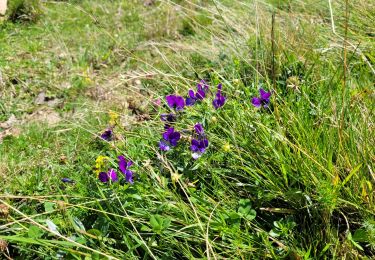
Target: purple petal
column 163, row 146
column 199, row 129
column 190, row 101
column 130, row 163
column 191, row 93
column 106, row 135
column 215, row 104
column 67, row 180
column 171, row 100
column 113, row 175
column 264, row 94
column 167, row 133
column 219, row 87
column 256, row 102
column 200, row 94
column 180, row 102
column 129, row 176
column 174, row 138
column 103, row 177
column 122, row 164
column 194, row 145
column 205, row 143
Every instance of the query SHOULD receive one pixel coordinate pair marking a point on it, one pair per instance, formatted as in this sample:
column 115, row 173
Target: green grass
column 293, row 181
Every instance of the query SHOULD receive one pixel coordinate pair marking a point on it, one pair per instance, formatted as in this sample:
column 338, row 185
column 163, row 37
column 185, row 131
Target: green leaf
column 49, row 206
column 245, row 210
column 35, row 232
column 350, row 238
column 360, row 235
column 159, row 224
column 352, row 172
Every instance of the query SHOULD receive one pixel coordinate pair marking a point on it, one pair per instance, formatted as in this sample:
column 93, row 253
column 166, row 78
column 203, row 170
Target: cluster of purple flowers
column 193, row 97
column 199, row 142
column 171, row 137
column 111, row 175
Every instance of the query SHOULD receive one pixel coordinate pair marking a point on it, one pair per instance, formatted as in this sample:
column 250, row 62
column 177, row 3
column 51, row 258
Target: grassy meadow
column 291, row 179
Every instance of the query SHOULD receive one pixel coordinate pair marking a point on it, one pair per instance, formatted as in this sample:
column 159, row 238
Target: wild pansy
column 67, row 180
column 170, row 118
column 124, row 168
column 171, row 137
column 219, row 100
column 202, row 89
column 262, row 100
column 175, row 102
column 200, row 143
column 107, row 135
column 110, row 175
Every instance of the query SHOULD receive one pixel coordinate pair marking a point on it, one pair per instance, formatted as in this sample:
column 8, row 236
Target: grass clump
column 24, row 10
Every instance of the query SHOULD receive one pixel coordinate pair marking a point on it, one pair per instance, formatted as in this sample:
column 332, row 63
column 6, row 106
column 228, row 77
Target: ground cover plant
column 187, row 129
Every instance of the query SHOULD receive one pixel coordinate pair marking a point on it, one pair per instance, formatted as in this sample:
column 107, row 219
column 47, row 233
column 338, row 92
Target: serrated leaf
column 35, row 232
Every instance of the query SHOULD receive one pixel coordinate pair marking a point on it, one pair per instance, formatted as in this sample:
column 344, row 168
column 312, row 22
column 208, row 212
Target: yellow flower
column 100, row 163
column 113, row 117
column 175, row 177
column 226, row 147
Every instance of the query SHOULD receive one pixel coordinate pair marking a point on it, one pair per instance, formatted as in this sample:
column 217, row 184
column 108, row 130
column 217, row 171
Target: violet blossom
column 171, row 137
column 107, row 135
column 175, row 102
column 219, row 100
column 200, row 143
column 124, row 168
column 202, row 89
column 262, row 100
column 110, row 175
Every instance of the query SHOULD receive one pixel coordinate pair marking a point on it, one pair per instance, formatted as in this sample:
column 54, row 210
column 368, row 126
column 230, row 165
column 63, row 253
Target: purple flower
column 168, row 117
column 199, row 144
column 67, row 180
column 175, row 102
column 124, row 168
column 171, row 136
column 203, row 86
column 110, row 175
column 219, row 100
column 262, row 100
column 107, row 135
column 198, row 147
column 199, row 129
column 193, row 97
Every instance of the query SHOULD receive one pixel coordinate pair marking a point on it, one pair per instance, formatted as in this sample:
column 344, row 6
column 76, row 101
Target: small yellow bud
column 214, row 119
column 226, row 147
column 113, row 117
column 175, row 177
column 236, row 81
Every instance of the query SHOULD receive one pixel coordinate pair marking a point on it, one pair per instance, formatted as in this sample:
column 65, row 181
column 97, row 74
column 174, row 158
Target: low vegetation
column 113, row 147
